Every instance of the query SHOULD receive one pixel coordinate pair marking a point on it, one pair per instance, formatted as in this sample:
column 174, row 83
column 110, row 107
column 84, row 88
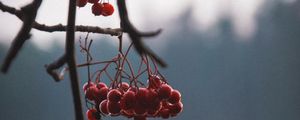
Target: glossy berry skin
column 103, row 107
column 87, row 85
column 107, row 9
column 113, row 107
column 128, row 100
column 81, row 3
column 175, row 97
column 154, row 82
column 97, row 9
column 124, row 86
column 92, row 114
column 176, row 108
column 165, row 113
column 93, row 1
column 91, row 93
column 101, row 85
column 102, row 93
column 114, row 95
column 165, row 91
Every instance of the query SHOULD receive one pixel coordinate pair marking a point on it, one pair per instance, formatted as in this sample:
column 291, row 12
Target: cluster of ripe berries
column 102, row 8
column 158, row 99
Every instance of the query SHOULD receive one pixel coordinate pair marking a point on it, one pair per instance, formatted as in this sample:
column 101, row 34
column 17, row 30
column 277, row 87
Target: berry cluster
column 158, row 99
column 98, row 8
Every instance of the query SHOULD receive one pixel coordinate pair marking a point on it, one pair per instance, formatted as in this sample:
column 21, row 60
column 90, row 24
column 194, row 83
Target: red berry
column 164, row 91
column 97, row 9
column 81, row 3
column 142, row 95
column 103, row 107
column 113, row 107
column 165, row 113
column 175, row 97
column 102, row 94
column 139, row 109
column 128, row 100
column 124, row 86
column 92, row 114
column 87, row 85
column 154, row 82
column 101, row 85
column 176, row 108
column 91, row 93
column 107, row 9
column 114, row 95
column 93, row 1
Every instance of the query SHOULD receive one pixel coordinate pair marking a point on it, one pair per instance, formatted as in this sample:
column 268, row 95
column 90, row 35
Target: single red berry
column 154, row 82
column 103, row 107
column 93, row 1
column 97, row 9
column 107, row 9
column 124, row 86
column 87, row 85
column 102, row 93
column 128, row 100
column 140, row 109
column 92, row 114
column 114, row 95
column 91, row 93
column 175, row 97
column 113, row 107
column 164, row 91
column 142, row 95
column 176, row 108
column 81, row 3
column 101, row 85
column 164, row 113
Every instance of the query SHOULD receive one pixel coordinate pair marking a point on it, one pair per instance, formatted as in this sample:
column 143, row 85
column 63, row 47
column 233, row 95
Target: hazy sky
column 145, row 14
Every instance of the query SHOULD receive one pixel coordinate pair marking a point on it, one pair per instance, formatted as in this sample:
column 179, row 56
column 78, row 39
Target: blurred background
column 231, row 59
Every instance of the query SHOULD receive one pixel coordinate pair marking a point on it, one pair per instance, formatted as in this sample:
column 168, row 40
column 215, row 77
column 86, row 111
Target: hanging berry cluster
column 98, row 8
column 126, row 94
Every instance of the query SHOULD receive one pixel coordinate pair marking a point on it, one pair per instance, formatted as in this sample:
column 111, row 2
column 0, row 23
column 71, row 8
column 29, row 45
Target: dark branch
column 79, row 28
column 60, row 27
column 29, row 13
column 135, row 35
column 51, row 68
column 70, row 57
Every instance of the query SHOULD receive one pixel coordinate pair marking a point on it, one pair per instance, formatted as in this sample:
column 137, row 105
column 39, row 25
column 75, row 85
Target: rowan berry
column 128, row 100
column 101, row 85
column 164, row 91
column 164, row 113
column 176, row 108
column 175, row 97
column 113, row 107
column 92, row 114
column 114, row 95
column 103, row 107
column 107, row 9
column 91, row 93
column 81, row 3
column 87, row 85
column 97, row 9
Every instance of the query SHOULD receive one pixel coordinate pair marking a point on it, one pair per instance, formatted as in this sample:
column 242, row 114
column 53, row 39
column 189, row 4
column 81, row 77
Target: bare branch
column 78, row 28
column 55, row 65
column 60, row 27
column 29, row 13
column 135, row 35
column 70, row 57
